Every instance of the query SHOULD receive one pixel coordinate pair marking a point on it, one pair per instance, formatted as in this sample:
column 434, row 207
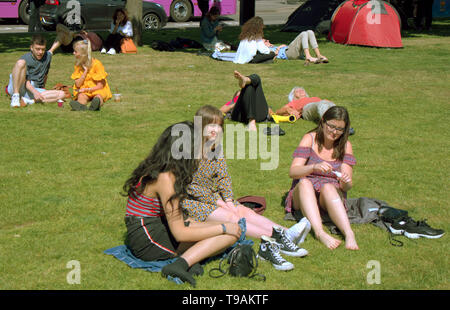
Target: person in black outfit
column 34, row 25
column 424, row 10
column 251, row 106
column 203, row 5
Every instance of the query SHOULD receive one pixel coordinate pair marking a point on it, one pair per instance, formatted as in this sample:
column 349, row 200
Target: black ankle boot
column 76, row 106
column 95, row 104
column 179, row 269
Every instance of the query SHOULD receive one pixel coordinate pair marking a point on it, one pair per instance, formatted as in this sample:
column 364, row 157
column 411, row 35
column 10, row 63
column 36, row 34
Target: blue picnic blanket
column 123, row 254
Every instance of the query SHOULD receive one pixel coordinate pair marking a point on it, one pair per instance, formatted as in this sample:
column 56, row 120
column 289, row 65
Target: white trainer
column 15, row 101
column 112, row 51
column 103, row 51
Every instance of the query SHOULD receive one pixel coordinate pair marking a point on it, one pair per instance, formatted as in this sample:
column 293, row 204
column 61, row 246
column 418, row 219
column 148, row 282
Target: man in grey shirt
column 29, row 75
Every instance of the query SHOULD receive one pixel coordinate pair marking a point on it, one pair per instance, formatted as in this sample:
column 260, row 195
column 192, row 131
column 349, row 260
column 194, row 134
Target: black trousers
column 251, row 103
column 203, row 5
column 113, row 41
column 424, row 9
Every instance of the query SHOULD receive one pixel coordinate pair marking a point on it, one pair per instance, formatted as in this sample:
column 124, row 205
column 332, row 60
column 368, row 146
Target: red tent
column 364, row 22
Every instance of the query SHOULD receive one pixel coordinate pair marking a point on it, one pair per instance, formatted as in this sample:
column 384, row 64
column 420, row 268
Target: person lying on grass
column 249, row 105
column 302, row 106
column 299, row 49
column 156, row 229
column 322, row 171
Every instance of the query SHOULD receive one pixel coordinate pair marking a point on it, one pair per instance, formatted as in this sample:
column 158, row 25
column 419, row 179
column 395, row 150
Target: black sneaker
column 269, row 250
column 286, row 245
column 414, row 230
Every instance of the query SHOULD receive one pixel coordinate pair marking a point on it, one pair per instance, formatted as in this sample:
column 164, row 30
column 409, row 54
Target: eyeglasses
column 333, row 128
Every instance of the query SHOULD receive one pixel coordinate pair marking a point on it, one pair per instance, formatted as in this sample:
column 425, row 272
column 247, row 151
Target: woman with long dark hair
column 156, row 229
column 121, row 28
column 322, row 175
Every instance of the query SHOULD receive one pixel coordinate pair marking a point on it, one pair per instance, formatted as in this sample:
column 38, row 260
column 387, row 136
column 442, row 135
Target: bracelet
column 224, row 229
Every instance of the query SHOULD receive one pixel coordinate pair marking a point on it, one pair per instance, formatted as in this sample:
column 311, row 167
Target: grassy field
column 61, row 172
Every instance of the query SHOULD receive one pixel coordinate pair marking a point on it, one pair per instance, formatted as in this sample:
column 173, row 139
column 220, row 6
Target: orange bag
column 127, row 46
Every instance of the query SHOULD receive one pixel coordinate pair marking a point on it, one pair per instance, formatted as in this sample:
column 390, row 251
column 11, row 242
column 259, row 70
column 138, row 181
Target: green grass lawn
column 61, row 172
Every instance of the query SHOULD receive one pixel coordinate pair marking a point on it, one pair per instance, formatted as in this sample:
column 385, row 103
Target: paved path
column 272, row 11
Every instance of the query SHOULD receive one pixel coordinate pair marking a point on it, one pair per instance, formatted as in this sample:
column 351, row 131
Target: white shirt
column 126, row 30
column 248, row 49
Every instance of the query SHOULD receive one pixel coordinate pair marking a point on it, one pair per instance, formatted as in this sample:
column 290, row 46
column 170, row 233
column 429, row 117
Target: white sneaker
column 15, row 101
column 28, row 101
column 103, row 51
column 111, row 51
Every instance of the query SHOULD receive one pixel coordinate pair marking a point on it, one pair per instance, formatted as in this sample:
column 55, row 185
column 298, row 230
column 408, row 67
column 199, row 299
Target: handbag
column 242, row 262
column 256, row 203
column 127, row 46
column 64, row 88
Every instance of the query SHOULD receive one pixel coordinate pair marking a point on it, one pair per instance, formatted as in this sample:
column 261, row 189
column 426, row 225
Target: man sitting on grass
column 27, row 80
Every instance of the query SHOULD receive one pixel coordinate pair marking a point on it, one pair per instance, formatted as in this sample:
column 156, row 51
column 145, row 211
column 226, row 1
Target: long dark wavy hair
column 162, row 160
column 252, row 29
column 334, row 113
column 124, row 12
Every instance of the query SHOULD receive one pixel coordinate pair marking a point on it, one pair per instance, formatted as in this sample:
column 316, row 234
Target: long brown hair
column 124, row 12
column 209, row 115
column 334, row 113
column 252, row 29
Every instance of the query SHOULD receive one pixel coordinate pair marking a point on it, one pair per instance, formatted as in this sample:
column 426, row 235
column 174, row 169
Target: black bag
column 388, row 216
column 242, row 262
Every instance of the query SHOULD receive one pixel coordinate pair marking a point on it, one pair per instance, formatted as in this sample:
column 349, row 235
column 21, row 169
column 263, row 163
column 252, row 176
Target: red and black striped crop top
column 141, row 205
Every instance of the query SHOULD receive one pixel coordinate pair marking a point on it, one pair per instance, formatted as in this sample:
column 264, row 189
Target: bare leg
column 305, row 200
column 333, row 203
column 52, row 95
column 257, row 225
column 308, row 55
column 195, row 252
column 83, row 99
column 18, row 74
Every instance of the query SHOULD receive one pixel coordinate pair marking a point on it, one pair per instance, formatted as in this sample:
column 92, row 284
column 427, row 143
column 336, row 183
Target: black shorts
column 149, row 238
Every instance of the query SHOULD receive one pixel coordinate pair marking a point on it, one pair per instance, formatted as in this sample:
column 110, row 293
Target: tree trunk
column 134, row 8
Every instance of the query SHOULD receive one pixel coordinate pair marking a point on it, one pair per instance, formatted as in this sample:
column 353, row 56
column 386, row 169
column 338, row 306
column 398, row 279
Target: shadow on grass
column 13, row 42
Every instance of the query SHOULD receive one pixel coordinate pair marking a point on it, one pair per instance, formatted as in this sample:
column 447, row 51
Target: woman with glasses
column 322, row 175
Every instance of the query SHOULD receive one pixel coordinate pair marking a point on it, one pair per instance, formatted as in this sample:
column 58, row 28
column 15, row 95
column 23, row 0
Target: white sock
column 293, row 233
column 298, row 232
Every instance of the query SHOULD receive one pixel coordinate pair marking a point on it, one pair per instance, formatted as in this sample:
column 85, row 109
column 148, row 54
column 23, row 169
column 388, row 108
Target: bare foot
column 242, row 80
column 350, row 242
column 329, row 241
column 252, row 125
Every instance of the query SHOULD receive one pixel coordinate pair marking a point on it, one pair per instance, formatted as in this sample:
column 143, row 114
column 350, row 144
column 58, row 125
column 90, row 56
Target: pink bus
column 183, row 10
column 15, row 9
